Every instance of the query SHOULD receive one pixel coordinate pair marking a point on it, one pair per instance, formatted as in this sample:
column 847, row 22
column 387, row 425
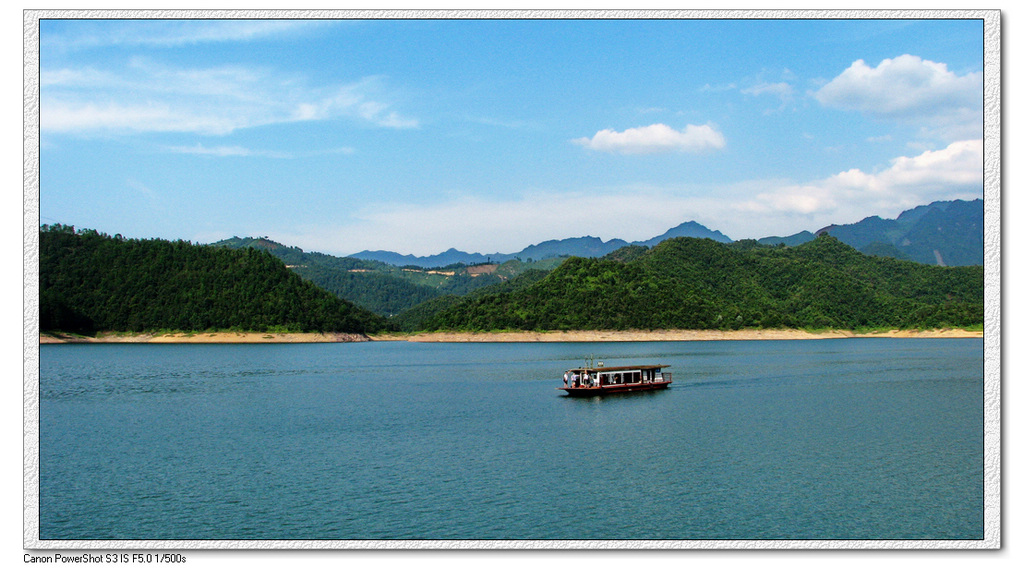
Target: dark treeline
column 687, row 283
column 90, row 281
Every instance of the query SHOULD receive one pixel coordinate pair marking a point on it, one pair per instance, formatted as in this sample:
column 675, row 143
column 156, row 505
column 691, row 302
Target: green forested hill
column 382, row 288
column 413, row 319
column 701, row 284
column 370, row 284
column 90, row 281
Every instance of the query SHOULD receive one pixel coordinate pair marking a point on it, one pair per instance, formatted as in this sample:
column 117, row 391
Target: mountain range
column 586, row 247
column 944, row 233
column 687, row 283
column 94, row 282
column 390, row 284
column 90, row 281
column 383, row 288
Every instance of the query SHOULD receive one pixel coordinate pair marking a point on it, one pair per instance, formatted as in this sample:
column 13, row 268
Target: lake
column 825, row 439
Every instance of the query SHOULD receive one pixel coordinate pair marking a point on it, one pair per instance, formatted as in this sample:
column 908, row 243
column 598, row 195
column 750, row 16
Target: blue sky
column 490, row 135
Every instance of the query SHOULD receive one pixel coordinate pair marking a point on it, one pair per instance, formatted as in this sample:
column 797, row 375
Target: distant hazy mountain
column 586, row 247
column 448, row 257
column 687, row 229
column 381, row 287
column 946, row 233
column 790, row 241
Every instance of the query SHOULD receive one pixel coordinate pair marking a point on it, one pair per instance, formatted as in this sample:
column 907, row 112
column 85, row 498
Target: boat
column 590, row 380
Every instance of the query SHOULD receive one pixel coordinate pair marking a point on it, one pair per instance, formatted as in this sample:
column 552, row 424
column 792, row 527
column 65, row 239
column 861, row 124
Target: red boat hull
column 614, row 389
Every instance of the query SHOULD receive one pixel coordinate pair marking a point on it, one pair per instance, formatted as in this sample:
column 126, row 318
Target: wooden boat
column 592, row 381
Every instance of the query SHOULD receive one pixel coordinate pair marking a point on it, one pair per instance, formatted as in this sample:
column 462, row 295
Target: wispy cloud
column 354, row 101
column 951, row 173
column 144, row 96
column 719, row 88
column 511, row 124
column 141, row 188
column 781, row 90
column 910, row 90
column 227, row 151
column 655, row 139
column 243, row 152
column 171, row 33
column 752, row 209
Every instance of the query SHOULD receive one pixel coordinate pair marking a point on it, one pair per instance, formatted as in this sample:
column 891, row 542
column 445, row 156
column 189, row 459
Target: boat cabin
column 594, row 380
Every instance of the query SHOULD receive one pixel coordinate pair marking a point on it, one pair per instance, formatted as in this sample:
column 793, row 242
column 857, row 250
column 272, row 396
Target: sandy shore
column 215, row 337
column 658, row 335
column 498, row 337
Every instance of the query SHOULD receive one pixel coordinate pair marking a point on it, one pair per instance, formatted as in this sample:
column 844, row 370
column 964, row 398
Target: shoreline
column 502, row 336
column 205, row 337
column 662, row 335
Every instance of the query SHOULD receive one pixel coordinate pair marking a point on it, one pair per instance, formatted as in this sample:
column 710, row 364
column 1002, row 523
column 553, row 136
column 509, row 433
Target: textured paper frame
column 992, row 268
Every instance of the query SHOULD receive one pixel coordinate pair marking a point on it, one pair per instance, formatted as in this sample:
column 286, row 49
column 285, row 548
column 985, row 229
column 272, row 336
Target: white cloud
column 145, row 97
column 655, row 139
column 753, row 209
column 512, row 124
column 910, row 90
column 241, row 151
column 720, row 88
column 220, row 31
column 955, row 172
column 169, row 33
column 354, row 101
column 782, row 90
column 476, row 224
column 226, row 151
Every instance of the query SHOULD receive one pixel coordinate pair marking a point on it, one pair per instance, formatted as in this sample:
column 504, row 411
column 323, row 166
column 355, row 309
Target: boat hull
column 613, row 389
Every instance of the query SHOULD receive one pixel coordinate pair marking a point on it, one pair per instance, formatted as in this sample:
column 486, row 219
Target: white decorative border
column 993, row 275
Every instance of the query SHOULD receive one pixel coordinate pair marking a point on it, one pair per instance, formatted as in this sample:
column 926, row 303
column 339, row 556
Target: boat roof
column 608, row 369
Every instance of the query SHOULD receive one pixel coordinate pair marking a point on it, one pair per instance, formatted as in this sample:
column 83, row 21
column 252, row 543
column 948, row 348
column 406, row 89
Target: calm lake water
column 829, row 439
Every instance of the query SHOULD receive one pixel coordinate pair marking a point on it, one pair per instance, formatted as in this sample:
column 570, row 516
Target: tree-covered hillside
column 382, row 288
column 414, row 318
column 702, row 284
column 93, row 282
column 370, row 284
